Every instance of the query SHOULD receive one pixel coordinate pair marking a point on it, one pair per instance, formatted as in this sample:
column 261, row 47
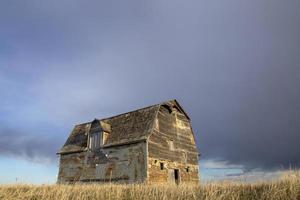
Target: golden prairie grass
column 286, row 188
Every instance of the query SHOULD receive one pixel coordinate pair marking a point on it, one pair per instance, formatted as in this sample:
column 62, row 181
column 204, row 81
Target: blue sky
column 233, row 65
column 14, row 170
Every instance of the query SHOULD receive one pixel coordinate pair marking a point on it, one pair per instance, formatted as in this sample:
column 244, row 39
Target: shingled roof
column 124, row 128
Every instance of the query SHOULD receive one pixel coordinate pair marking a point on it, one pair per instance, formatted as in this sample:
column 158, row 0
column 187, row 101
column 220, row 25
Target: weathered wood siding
column 172, row 143
column 70, row 167
column 136, row 145
column 124, row 163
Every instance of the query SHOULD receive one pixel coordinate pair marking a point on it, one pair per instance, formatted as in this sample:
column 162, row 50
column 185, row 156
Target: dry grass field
column 286, row 188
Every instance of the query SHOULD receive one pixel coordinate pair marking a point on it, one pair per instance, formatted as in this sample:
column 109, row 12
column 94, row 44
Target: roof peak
column 135, row 110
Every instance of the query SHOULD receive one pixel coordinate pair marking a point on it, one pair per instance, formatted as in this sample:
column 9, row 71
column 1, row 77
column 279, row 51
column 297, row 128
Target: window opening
column 95, row 140
column 188, row 169
column 176, row 176
column 162, row 166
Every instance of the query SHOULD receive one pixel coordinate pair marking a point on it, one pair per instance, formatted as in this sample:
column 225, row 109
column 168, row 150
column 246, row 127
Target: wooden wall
column 123, row 164
column 172, row 143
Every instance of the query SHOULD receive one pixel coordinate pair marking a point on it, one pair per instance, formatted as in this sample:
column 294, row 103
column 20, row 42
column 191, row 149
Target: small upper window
column 98, row 139
column 162, row 166
column 95, row 140
column 188, row 169
column 166, row 108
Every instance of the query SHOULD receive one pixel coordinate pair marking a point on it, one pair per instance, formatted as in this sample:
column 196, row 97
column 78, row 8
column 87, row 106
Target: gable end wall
column 172, row 127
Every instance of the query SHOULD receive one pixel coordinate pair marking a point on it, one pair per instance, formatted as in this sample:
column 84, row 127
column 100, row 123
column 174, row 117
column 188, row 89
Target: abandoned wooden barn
column 152, row 144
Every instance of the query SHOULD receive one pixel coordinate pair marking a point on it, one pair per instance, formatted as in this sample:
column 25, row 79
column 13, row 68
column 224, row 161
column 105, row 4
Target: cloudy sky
column 234, row 66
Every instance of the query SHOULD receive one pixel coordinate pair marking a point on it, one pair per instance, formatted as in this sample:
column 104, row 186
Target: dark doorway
column 176, row 176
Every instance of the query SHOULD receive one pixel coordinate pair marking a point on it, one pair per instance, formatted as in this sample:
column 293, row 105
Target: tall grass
column 286, row 188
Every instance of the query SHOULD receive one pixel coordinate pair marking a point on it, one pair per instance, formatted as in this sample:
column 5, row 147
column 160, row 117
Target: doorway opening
column 176, row 176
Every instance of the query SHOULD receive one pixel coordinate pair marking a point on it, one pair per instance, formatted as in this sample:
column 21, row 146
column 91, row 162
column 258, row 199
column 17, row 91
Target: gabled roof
column 77, row 140
column 128, row 127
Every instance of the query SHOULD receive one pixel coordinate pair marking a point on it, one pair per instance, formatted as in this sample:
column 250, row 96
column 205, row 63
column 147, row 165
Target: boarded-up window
column 100, row 171
column 98, row 139
column 95, row 140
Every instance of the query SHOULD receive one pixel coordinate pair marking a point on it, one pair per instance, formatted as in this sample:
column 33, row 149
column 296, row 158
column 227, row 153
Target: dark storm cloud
column 234, row 65
column 39, row 148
